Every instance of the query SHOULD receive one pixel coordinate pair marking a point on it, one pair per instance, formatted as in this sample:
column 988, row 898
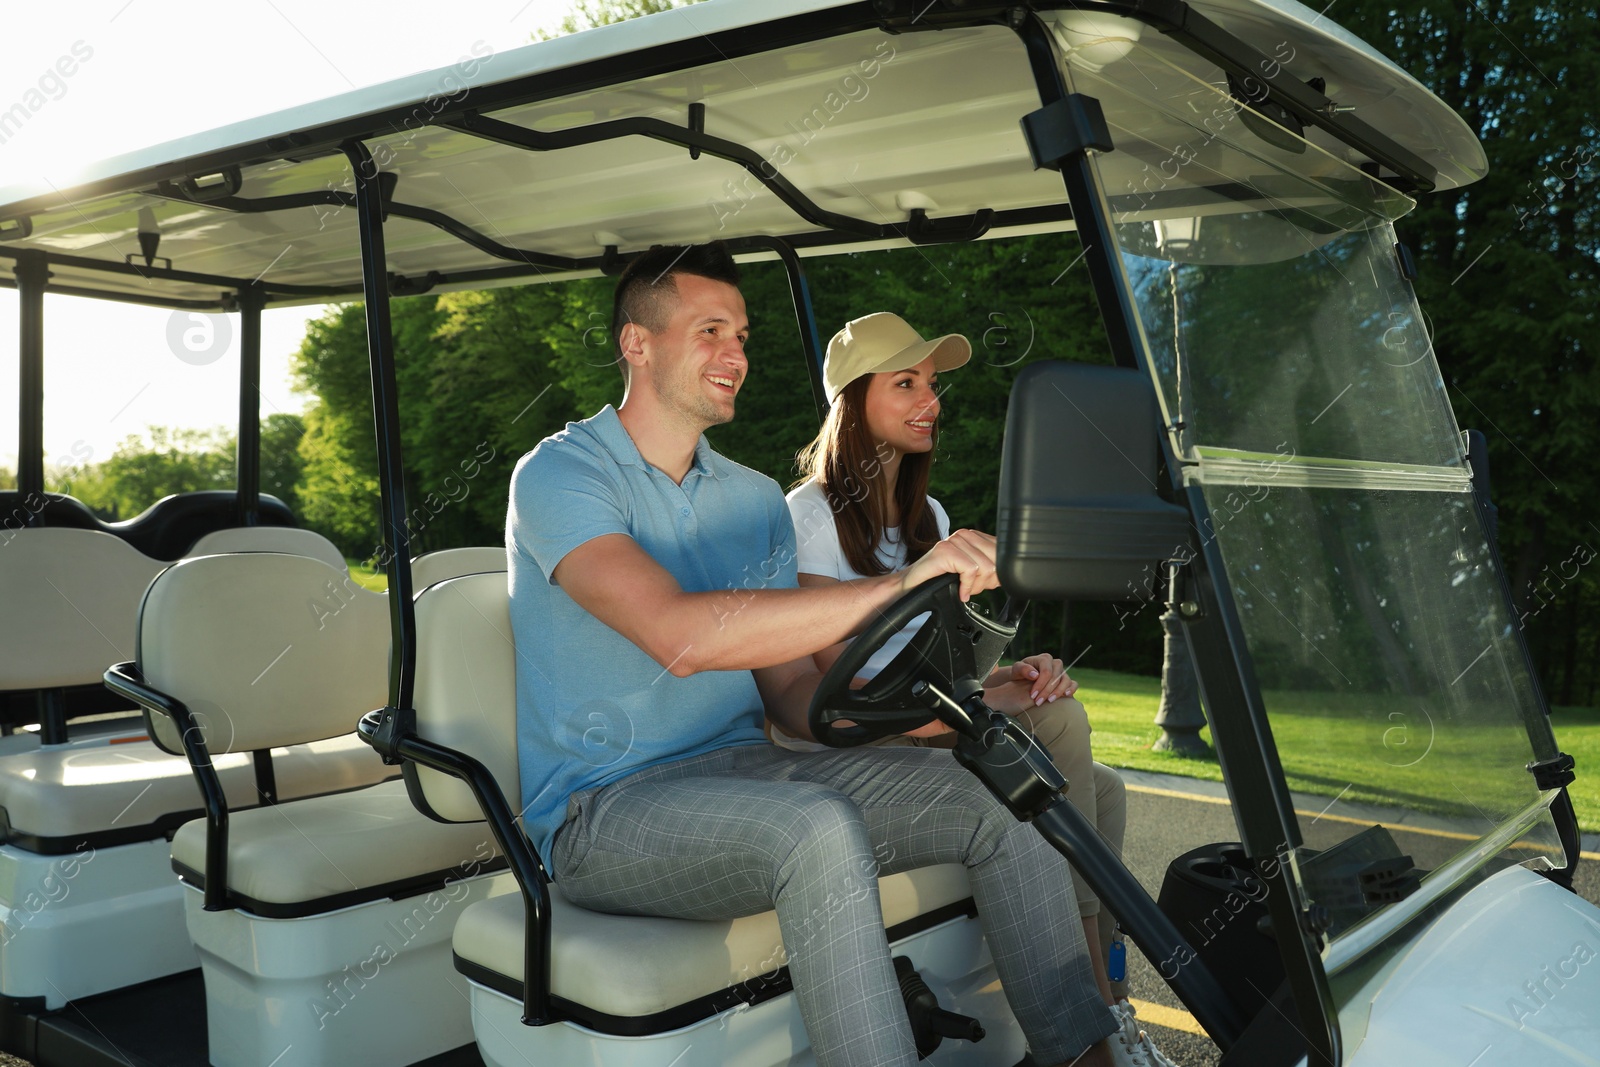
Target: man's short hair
column 647, row 292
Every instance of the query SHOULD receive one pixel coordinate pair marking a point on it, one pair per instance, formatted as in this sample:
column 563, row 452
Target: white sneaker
column 1131, row 1046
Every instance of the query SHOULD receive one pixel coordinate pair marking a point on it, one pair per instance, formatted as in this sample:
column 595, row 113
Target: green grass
column 1578, row 734
column 365, row 576
column 1337, row 744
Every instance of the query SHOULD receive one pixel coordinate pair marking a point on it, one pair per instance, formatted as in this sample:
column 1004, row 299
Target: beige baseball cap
column 881, row 342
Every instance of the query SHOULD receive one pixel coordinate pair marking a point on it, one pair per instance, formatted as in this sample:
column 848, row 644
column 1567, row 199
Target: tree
column 1510, row 271
column 482, row 377
column 166, row 461
column 281, row 462
column 587, row 14
column 145, row 468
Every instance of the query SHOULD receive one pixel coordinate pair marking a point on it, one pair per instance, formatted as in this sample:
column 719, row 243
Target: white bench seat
column 637, row 967
column 288, row 540
column 131, row 790
column 284, row 903
column 72, row 599
column 322, row 853
column 618, row 974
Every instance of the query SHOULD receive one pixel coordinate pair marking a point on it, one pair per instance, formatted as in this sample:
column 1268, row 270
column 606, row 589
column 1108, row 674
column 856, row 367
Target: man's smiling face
column 697, row 361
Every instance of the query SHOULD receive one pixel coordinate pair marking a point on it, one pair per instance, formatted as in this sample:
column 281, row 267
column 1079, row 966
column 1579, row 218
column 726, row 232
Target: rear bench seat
column 119, row 788
column 61, row 798
column 83, row 589
column 98, row 809
column 68, row 602
column 430, row 568
column 287, row 539
column 624, row 975
column 288, row 897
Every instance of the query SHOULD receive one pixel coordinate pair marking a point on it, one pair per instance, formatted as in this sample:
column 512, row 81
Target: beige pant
column 1093, row 788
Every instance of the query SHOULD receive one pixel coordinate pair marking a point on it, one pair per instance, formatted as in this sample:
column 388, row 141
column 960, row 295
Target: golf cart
column 1273, row 452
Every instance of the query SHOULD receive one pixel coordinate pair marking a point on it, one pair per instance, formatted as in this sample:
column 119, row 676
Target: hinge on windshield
column 1071, row 125
column 1553, row 773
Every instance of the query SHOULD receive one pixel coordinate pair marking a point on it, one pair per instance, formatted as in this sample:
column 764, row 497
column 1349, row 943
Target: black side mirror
column 1080, row 515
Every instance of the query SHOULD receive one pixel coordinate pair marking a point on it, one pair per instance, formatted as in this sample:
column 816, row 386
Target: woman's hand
column 1027, row 683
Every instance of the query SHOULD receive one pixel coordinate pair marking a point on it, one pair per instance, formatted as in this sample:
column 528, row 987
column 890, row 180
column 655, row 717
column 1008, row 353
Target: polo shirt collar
column 607, row 426
column 703, row 460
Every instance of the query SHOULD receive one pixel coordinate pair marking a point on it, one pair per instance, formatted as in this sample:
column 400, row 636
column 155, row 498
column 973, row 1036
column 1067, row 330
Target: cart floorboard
column 156, row 1024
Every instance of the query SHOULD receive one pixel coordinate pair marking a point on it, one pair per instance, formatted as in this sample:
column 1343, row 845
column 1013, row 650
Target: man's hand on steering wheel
column 969, row 553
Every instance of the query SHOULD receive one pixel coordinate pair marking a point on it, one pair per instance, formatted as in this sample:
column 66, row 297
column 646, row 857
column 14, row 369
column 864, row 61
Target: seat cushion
column 315, row 855
column 265, row 649
column 110, row 791
column 466, row 689
column 285, row 539
column 72, row 599
column 632, row 966
column 431, row 568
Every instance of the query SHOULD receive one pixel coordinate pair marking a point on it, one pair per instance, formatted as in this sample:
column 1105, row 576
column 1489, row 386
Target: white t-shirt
column 819, row 552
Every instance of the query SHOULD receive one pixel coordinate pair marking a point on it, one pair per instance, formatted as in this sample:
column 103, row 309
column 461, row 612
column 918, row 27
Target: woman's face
column 902, row 406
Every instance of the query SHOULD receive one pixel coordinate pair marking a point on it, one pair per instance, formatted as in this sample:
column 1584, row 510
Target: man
column 649, row 569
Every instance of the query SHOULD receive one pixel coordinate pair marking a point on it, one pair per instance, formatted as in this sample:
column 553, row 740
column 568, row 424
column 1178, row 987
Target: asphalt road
column 1161, row 827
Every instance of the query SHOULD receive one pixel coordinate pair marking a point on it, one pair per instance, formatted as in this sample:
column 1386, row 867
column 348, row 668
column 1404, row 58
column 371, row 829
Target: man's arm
column 618, row 583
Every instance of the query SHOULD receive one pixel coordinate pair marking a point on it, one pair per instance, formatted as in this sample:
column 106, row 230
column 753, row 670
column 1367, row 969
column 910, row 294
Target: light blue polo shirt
column 591, row 706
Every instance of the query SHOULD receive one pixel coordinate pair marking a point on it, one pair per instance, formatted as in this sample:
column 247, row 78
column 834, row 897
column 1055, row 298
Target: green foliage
column 165, row 461
column 281, row 462
column 587, row 14
column 482, row 377
column 144, row 469
column 1510, row 273
column 1333, row 753
column 339, row 483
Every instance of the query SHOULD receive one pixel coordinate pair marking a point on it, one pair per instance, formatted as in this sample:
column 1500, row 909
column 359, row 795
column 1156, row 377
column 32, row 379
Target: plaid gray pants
column 753, row 828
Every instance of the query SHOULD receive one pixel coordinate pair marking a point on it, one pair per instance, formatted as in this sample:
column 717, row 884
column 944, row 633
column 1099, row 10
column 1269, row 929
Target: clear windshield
column 1303, row 397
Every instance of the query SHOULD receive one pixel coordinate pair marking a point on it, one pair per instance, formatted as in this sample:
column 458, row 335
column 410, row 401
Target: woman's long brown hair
column 845, row 461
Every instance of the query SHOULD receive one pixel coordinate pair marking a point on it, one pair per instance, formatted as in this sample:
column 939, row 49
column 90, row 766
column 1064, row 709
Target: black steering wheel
column 955, row 648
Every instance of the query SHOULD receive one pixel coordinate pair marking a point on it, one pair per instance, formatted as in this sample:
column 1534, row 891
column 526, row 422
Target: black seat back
column 163, row 531
column 1081, row 517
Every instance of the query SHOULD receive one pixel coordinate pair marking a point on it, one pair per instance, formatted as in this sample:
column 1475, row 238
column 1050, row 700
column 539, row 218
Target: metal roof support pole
column 1060, row 135
column 252, row 298
column 394, row 736
column 395, row 550
column 805, row 317
column 1540, row 736
column 33, row 273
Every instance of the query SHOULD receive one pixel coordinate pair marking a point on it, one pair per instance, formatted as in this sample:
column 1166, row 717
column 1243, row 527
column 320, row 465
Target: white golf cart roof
column 923, row 120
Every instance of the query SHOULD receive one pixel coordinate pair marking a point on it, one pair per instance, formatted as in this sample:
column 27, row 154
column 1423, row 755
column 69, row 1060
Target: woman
column 863, row 509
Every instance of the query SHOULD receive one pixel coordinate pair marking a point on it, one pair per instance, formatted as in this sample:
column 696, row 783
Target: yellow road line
column 1175, row 794
column 1225, row 802
column 1161, row 1015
